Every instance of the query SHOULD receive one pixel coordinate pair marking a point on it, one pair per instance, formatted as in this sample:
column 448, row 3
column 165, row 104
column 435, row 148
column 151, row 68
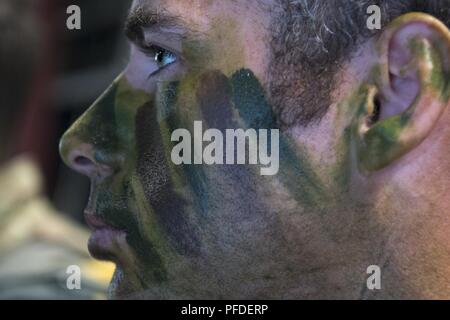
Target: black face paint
column 249, row 99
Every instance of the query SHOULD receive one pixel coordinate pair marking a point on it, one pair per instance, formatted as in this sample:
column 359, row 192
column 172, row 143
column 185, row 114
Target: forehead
column 204, row 14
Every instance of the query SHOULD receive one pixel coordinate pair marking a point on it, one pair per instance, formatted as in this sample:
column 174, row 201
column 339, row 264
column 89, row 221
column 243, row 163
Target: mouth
column 106, row 242
column 110, row 244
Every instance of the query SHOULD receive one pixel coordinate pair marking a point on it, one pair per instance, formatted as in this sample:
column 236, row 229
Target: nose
column 101, row 140
column 91, row 145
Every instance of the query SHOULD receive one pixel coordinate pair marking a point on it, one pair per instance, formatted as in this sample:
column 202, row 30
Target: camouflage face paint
column 109, row 126
column 193, row 230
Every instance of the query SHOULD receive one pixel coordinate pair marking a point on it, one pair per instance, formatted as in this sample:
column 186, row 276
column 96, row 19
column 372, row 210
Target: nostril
column 83, row 164
column 82, row 161
column 81, row 157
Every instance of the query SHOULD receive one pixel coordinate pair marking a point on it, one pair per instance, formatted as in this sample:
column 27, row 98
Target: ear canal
column 371, row 112
column 379, row 142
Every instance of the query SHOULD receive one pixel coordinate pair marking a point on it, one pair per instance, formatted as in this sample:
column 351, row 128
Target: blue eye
column 164, row 57
column 161, row 57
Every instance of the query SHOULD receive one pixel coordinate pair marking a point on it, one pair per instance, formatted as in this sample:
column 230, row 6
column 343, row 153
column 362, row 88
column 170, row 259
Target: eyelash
column 157, row 54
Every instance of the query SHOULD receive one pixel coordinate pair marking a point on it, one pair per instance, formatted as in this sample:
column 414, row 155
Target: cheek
column 153, row 169
column 151, row 163
column 226, row 102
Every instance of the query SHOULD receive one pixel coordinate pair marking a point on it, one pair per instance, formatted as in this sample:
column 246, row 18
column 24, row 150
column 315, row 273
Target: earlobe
column 409, row 90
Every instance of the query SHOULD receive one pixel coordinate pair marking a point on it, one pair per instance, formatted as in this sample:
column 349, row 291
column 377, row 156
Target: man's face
column 216, row 231
column 189, row 230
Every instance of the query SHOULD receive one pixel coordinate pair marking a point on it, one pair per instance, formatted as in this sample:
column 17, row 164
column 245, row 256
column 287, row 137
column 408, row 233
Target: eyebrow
column 144, row 17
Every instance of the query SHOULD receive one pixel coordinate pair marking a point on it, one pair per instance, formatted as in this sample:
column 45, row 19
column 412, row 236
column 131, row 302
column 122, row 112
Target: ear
column 409, row 91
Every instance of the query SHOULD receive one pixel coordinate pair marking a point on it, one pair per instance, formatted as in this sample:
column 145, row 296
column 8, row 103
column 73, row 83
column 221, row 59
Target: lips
column 106, row 242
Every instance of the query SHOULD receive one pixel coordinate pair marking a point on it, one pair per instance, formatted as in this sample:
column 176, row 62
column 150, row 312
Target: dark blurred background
column 49, row 75
column 75, row 67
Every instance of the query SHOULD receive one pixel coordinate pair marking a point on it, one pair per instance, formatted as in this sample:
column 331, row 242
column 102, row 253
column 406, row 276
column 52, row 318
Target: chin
column 121, row 286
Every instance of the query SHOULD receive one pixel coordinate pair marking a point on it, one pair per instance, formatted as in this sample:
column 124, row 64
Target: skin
column 311, row 231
